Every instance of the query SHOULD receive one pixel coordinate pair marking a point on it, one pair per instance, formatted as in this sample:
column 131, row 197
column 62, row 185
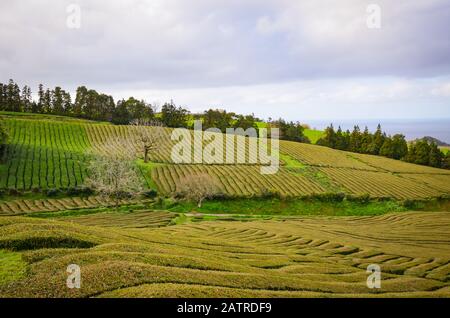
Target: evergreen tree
column 121, row 115
column 2, row 96
column 386, row 149
column 40, row 104
column 366, row 140
column 399, row 147
column 446, row 161
column 26, row 99
column 422, row 153
column 171, row 116
column 342, row 139
column 3, row 137
column 47, row 102
column 13, row 97
column 57, row 101
column 80, row 102
column 377, row 141
column 67, row 103
column 436, row 156
column 355, row 140
column 138, row 109
column 216, row 118
column 329, row 138
column 245, row 122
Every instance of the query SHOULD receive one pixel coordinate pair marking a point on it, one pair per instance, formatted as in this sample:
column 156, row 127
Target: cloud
column 202, row 43
column 273, row 52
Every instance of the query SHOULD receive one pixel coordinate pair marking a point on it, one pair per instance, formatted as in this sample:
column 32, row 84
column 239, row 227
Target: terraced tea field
column 300, row 257
column 137, row 251
column 46, row 152
column 24, row 206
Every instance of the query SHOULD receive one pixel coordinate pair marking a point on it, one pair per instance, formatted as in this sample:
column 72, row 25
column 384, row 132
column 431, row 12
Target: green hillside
column 309, row 230
column 49, row 153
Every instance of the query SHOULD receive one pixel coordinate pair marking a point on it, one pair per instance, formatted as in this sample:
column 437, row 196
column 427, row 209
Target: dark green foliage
column 292, row 131
column 363, row 199
column 53, row 192
column 216, row 118
column 3, row 138
column 150, row 193
column 328, row 197
column 121, row 115
column 79, row 191
column 171, row 116
column 420, row 152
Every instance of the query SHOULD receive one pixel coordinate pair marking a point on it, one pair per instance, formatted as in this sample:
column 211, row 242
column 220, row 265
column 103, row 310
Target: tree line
column 92, row 105
column 379, row 143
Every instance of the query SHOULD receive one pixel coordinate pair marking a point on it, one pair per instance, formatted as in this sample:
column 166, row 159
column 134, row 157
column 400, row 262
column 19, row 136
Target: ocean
column 412, row 129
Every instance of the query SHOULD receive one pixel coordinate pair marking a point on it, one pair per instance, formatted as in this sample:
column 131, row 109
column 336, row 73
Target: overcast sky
column 297, row 59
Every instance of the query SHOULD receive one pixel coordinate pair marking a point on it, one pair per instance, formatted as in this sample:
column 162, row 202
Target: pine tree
column 47, row 102
column 26, row 99
column 436, row 156
column 3, row 100
column 57, row 101
column 387, row 150
column 40, row 103
column 80, row 102
column 399, row 147
column 366, row 140
column 355, row 140
column 13, row 97
column 341, row 140
column 67, row 103
column 329, row 139
column 377, row 141
column 422, row 155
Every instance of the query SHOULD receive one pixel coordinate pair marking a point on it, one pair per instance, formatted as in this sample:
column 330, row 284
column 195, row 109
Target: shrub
column 328, row 197
column 363, row 198
column 53, row 192
column 270, row 194
column 409, row 204
column 14, row 192
column 82, row 190
column 150, row 194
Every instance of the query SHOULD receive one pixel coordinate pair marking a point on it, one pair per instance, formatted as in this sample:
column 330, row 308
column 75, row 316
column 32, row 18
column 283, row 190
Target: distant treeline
column 379, row 143
column 92, row 105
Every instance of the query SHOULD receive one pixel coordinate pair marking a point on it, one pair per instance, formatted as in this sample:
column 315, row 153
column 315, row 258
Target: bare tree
column 147, row 135
column 114, row 176
column 198, row 187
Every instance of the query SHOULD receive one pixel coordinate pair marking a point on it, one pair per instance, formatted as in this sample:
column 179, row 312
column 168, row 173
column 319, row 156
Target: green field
column 310, row 230
column 289, row 258
column 313, row 134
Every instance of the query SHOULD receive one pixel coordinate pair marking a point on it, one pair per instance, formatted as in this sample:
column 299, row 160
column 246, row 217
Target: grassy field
column 313, row 134
column 310, row 230
column 294, row 257
column 445, row 150
column 50, row 154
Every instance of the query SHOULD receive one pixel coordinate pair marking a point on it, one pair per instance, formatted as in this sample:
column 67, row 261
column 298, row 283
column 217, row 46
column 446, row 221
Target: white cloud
column 255, row 56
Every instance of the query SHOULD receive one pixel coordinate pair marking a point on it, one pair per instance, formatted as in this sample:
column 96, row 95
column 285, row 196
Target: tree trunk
column 200, row 203
column 146, row 156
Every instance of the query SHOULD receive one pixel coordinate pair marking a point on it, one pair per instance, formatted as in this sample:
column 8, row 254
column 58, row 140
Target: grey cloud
column 176, row 44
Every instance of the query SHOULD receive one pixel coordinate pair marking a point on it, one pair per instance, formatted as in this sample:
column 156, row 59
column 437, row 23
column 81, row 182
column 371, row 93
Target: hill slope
column 46, row 152
column 233, row 259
